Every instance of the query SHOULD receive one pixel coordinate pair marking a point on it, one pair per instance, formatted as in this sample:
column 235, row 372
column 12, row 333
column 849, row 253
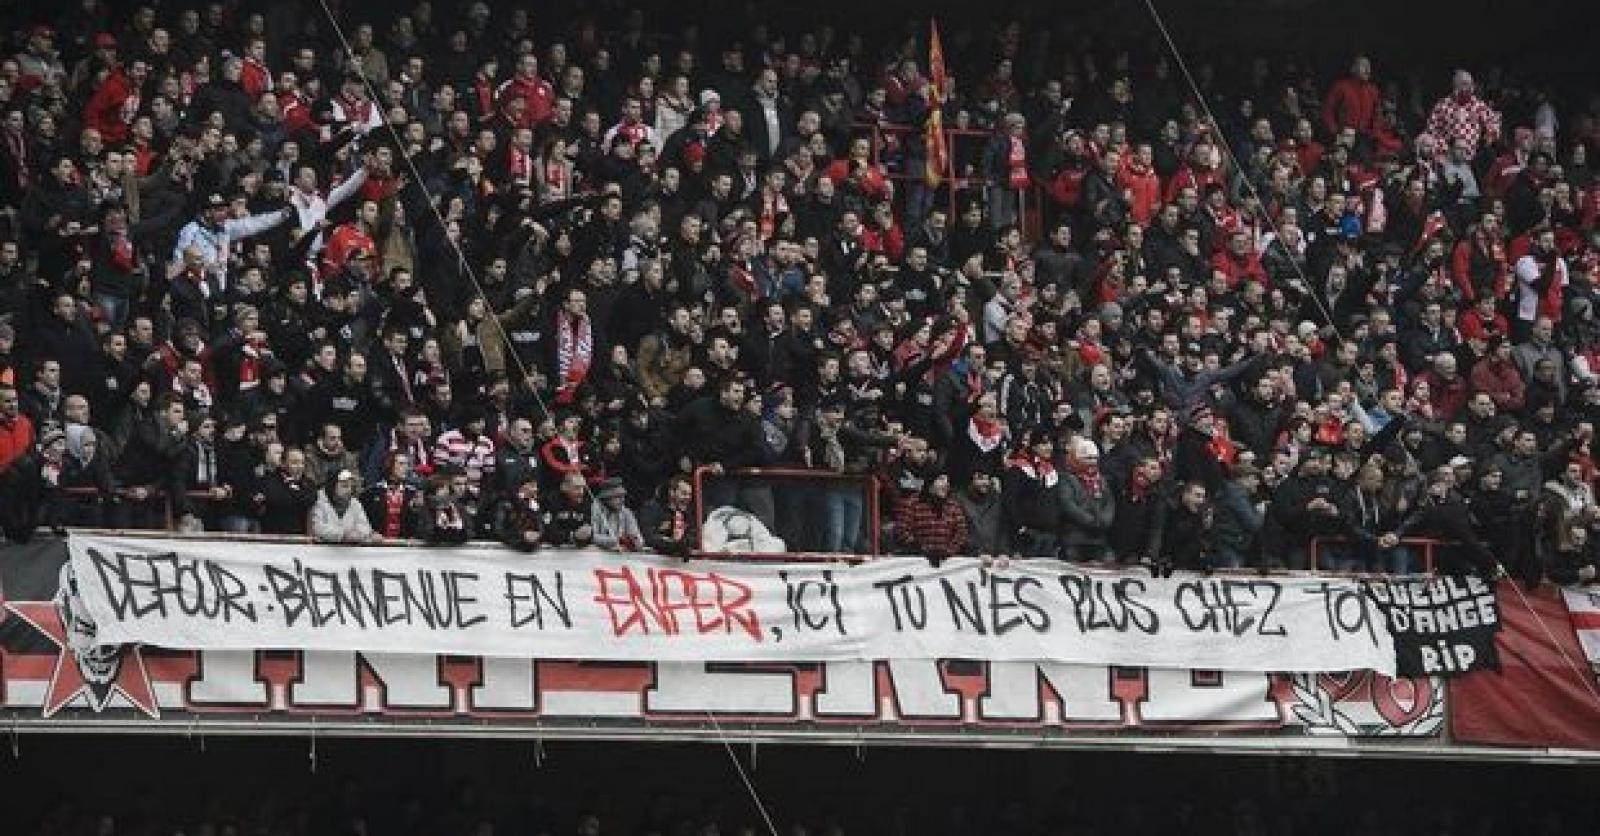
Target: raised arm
column 349, row 187
column 242, row 228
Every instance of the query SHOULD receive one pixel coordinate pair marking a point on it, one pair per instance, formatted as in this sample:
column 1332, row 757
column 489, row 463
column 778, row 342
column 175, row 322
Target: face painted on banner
column 99, row 663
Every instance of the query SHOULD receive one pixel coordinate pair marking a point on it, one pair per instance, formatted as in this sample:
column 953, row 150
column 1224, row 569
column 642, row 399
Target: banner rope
column 1587, row 679
column 744, row 776
column 1222, row 142
column 522, row 367
column 354, row 62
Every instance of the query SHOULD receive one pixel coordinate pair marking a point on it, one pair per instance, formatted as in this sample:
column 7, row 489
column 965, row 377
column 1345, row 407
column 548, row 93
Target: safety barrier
column 1428, row 546
column 799, row 506
column 1030, row 201
column 772, row 477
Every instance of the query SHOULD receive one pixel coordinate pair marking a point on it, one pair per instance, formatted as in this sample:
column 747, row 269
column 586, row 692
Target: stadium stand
column 612, row 283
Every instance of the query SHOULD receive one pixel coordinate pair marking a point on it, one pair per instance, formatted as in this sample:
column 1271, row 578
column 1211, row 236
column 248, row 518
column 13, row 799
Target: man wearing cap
column 212, row 236
column 337, row 516
column 615, row 526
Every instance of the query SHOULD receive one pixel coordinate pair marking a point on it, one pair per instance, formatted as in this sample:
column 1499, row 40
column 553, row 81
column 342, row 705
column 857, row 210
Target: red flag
column 938, row 154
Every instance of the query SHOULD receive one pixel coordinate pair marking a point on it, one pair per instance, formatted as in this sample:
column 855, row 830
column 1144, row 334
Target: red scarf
column 1042, row 469
column 555, row 180
column 18, row 143
column 485, row 93
column 250, row 364
column 574, row 353
column 985, row 434
column 520, row 167
column 1550, row 286
column 1017, row 164
column 356, row 109
column 122, row 252
column 394, row 503
column 1221, row 446
column 633, row 133
column 743, row 278
column 1494, row 249
column 1089, row 475
column 773, row 207
column 1139, row 486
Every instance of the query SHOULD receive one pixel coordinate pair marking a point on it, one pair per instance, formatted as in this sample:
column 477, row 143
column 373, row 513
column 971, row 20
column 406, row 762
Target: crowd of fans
column 489, row 275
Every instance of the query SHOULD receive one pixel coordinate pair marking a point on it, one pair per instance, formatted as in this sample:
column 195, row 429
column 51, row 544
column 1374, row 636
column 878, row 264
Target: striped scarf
column 574, row 352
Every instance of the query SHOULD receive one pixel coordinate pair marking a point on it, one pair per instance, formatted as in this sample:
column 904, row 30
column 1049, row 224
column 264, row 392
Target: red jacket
column 255, row 78
column 1143, row 187
column 1472, row 324
column 1240, row 270
column 1188, row 175
column 296, row 110
column 1352, row 103
column 1500, row 380
column 1474, row 262
column 106, row 111
column 345, row 240
column 1066, row 185
column 16, row 439
column 1308, row 156
column 1447, row 399
column 891, row 242
column 871, row 182
column 537, row 92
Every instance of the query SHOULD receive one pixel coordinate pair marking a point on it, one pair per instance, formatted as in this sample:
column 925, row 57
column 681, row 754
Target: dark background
column 910, row 791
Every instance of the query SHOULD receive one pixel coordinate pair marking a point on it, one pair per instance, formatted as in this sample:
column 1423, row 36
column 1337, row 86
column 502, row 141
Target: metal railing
column 804, row 499
column 1428, row 545
column 1030, row 201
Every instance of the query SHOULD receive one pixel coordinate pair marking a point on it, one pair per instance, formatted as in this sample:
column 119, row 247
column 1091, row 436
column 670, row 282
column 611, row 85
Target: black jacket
column 713, row 434
column 288, row 503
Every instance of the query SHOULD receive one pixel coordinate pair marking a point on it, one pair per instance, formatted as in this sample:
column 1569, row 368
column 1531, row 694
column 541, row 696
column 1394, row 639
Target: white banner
column 599, row 606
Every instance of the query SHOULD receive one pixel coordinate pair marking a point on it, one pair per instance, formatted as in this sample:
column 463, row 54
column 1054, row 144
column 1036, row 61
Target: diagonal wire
column 743, row 775
column 1587, row 679
column 1222, row 141
column 1155, row 14
column 494, row 317
column 461, row 257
